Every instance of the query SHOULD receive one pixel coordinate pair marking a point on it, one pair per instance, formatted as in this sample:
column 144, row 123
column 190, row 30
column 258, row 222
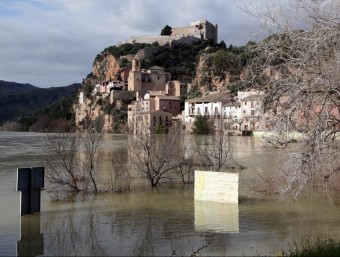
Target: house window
column 252, row 113
column 205, row 110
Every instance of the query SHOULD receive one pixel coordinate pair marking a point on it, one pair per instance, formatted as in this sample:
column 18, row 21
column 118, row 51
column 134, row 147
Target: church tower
column 135, row 76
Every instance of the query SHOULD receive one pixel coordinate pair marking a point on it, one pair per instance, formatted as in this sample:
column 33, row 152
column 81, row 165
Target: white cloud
column 53, row 42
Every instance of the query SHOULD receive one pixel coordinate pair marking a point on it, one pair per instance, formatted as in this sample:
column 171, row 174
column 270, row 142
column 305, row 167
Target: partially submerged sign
column 29, row 182
column 216, row 186
column 216, row 217
column 31, row 241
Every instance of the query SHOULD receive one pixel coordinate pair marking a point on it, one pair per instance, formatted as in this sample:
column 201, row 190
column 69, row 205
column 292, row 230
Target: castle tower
column 135, row 76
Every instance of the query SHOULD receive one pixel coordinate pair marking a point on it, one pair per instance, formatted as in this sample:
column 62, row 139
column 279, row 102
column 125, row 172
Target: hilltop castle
column 197, row 30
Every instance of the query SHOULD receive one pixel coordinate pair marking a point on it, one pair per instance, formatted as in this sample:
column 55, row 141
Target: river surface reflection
column 158, row 222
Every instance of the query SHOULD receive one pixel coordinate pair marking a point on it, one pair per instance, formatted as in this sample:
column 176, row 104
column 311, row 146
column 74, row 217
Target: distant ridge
column 18, row 99
column 7, row 87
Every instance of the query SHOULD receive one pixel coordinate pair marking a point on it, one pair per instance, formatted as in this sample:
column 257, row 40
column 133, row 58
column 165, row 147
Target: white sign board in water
column 216, row 186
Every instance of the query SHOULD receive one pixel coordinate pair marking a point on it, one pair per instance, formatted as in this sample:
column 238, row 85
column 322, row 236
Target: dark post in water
column 29, row 182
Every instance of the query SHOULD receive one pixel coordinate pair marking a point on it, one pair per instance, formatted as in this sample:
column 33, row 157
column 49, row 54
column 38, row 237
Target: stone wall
column 198, row 30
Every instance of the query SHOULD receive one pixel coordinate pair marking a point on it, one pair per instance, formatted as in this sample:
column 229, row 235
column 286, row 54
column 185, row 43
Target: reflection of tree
column 73, row 233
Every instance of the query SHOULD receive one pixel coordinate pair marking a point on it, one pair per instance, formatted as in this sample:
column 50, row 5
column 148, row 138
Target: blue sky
column 54, row 42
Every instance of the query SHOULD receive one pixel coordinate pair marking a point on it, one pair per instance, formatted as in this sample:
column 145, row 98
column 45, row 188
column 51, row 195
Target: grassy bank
column 322, row 248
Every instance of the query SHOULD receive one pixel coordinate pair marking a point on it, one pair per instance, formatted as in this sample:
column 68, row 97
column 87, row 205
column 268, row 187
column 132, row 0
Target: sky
column 51, row 43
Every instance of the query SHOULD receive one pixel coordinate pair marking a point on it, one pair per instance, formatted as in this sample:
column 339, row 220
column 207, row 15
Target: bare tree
column 185, row 157
column 117, row 168
column 90, row 142
column 61, row 160
column 216, row 151
column 298, row 68
column 153, row 155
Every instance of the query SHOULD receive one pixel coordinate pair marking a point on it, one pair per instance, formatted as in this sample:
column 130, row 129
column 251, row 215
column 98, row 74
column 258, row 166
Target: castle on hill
column 197, row 30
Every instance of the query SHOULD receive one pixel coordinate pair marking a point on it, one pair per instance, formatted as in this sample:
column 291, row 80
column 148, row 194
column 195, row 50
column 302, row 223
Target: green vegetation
column 160, row 129
column 319, row 248
column 166, row 31
column 202, row 125
column 121, row 50
column 20, row 99
column 180, row 60
column 45, row 117
column 193, row 93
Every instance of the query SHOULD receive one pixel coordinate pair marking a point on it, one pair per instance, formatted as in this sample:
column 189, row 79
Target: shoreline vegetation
column 320, row 248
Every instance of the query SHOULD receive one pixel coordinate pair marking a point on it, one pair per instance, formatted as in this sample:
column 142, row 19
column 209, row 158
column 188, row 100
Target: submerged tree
column 72, row 160
column 153, row 154
column 298, row 68
column 216, row 150
column 91, row 141
column 61, row 160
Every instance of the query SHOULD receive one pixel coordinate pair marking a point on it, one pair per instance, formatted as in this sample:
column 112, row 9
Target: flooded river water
column 162, row 222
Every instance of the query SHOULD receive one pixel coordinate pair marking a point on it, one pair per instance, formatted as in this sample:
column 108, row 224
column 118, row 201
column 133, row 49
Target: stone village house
column 242, row 112
column 153, row 110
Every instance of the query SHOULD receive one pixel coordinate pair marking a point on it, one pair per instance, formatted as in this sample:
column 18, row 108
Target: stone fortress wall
column 197, row 30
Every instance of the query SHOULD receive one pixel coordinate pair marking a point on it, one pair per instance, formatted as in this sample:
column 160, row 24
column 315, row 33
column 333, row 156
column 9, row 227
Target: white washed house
column 208, row 105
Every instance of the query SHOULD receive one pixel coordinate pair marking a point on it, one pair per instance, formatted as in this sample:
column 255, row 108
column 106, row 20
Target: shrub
column 202, row 125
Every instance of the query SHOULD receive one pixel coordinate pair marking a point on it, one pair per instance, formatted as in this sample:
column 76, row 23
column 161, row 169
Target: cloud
column 54, row 42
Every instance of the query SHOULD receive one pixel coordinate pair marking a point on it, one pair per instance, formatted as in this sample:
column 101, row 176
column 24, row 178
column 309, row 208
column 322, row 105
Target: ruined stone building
column 142, row 81
column 197, row 30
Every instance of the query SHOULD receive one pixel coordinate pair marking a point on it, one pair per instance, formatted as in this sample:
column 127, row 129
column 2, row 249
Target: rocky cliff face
column 106, row 68
column 90, row 112
column 210, row 77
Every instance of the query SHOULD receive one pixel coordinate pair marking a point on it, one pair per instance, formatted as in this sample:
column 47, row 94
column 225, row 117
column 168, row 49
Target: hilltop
column 18, row 100
column 189, row 56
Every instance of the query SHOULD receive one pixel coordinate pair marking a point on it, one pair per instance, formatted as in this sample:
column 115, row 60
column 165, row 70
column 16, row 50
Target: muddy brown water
column 158, row 222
